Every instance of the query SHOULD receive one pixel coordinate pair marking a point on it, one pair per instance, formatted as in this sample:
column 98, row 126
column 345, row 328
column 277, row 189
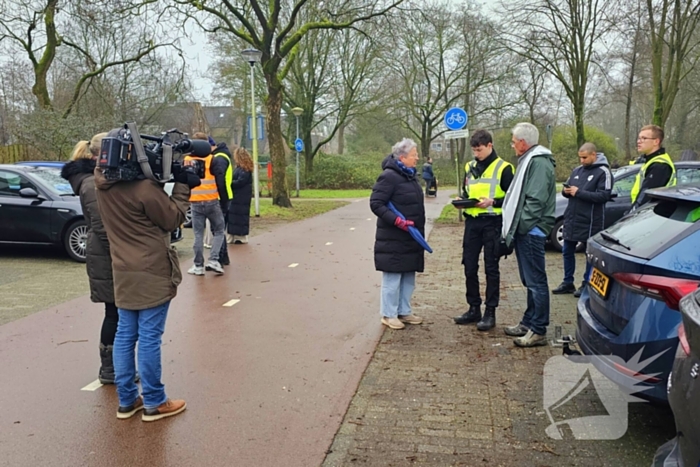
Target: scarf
column 407, row 170
column 512, row 201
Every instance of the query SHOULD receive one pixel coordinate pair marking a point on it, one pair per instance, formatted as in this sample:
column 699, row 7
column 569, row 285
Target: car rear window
column 655, row 227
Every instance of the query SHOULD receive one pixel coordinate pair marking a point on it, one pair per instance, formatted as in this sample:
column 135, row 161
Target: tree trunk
column 341, row 139
column 280, row 192
column 309, row 164
column 578, row 115
column 41, row 67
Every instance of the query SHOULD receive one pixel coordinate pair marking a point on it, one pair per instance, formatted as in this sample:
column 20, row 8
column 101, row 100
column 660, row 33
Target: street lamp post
column 252, row 56
column 297, row 111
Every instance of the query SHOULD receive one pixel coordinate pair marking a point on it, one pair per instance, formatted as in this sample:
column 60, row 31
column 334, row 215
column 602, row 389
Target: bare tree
column 274, row 29
column 561, row 36
column 40, row 28
column 672, row 25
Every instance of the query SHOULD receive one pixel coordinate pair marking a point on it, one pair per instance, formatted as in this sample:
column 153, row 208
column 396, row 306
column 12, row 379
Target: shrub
column 565, row 148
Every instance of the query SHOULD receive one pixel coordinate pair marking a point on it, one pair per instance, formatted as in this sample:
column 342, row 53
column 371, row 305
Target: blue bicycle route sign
column 456, row 118
column 299, row 144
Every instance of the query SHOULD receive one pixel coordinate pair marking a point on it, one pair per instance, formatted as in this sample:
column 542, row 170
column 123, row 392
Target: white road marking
column 293, row 265
column 92, row 386
column 329, row 243
column 352, row 228
column 369, row 218
column 231, row 302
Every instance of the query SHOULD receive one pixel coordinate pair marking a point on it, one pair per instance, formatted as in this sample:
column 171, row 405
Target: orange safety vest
column 207, row 190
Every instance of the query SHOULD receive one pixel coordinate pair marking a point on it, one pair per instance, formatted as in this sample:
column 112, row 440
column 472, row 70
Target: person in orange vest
column 207, row 203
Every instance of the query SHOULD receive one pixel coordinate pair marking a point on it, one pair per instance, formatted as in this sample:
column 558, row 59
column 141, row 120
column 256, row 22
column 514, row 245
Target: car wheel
column 556, row 238
column 188, row 218
column 75, row 241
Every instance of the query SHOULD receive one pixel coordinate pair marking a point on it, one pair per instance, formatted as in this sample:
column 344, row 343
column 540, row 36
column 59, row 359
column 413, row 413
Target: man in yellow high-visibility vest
column 487, row 179
column 658, row 169
column 207, row 202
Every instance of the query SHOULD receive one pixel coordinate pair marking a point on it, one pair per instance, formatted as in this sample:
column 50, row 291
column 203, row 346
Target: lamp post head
column 252, row 55
column 297, row 111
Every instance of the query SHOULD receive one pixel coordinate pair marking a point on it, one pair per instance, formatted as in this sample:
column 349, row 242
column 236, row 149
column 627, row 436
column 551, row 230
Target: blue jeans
column 146, row 327
column 569, row 251
column 201, row 211
column 529, row 250
column 397, row 288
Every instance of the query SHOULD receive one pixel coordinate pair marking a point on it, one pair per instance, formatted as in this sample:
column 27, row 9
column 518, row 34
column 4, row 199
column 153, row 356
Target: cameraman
column 138, row 216
column 210, row 202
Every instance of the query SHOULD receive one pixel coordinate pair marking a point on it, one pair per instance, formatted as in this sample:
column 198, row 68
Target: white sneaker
column 196, row 270
column 207, row 246
column 214, row 266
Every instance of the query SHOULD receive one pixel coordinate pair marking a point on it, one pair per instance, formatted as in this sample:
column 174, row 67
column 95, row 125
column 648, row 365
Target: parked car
column 37, row 206
column 641, row 267
column 684, row 391
column 54, row 164
column 686, row 173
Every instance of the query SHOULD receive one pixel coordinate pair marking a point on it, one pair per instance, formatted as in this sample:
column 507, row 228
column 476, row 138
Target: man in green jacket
column 528, row 218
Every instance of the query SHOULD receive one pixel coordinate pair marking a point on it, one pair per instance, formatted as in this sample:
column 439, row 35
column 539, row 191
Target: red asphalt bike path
column 267, row 380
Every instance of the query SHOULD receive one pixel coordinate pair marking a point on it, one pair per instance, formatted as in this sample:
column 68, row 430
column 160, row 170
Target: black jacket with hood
column 80, row 175
column 585, row 213
column 218, row 168
column 394, row 249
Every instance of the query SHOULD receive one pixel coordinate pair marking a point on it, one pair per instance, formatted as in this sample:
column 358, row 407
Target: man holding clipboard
column 487, row 179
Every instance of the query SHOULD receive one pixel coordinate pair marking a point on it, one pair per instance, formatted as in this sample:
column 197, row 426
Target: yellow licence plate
column 599, row 282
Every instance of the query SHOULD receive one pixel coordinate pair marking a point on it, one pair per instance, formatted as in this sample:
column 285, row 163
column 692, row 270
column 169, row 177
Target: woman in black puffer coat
column 80, row 174
column 239, row 208
column 396, row 253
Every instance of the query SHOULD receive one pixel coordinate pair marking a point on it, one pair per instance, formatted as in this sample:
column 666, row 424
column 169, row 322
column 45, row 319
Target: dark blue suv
column 641, row 267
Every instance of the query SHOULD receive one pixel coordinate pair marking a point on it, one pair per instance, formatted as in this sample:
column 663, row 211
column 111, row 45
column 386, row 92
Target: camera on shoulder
column 125, row 157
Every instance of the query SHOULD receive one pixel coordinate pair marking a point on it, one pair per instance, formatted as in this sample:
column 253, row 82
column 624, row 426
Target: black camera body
column 124, row 157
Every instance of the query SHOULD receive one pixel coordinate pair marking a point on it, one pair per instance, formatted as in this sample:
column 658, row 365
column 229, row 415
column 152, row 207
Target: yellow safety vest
column 207, row 190
column 660, row 159
column 229, row 174
column 486, row 186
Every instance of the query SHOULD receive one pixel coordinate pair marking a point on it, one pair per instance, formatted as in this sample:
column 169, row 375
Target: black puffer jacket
column 585, row 213
column 394, row 249
column 239, row 209
column 80, row 174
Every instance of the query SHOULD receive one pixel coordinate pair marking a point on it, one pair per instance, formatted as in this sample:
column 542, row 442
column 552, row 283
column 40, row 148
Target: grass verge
column 449, row 215
column 334, row 194
column 298, row 212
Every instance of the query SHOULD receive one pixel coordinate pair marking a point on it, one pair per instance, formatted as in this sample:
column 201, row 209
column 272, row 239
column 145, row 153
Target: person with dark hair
column 209, row 201
column 588, row 188
column 658, row 169
column 239, row 209
column 486, row 181
column 428, row 175
column 396, row 253
column 80, row 173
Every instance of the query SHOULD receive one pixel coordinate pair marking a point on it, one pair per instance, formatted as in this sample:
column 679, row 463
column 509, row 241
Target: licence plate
column 599, row 282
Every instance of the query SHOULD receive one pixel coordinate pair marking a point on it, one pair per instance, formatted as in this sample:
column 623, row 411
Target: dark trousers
column 428, row 183
column 482, row 233
column 109, row 324
column 569, row 252
column 529, row 250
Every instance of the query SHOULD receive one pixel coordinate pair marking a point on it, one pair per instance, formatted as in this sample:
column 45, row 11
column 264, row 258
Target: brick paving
column 441, row 394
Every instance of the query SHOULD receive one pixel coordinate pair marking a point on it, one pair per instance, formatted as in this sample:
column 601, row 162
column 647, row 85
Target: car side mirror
column 28, row 193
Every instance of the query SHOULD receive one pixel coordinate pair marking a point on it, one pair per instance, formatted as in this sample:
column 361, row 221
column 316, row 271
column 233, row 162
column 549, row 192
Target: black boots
column 489, row 320
column 579, row 291
column 107, row 368
column 471, row 316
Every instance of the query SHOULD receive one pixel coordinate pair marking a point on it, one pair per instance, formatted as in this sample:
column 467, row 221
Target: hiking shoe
column 214, row 266
column 196, row 271
column 129, row 411
column 530, row 340
column 516, row 331
column 393, row 323
column 410, row 319
column 166, row 409
column 564, row 287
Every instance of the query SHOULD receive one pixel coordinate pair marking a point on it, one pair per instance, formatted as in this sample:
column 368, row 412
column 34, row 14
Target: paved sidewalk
column 441, row 394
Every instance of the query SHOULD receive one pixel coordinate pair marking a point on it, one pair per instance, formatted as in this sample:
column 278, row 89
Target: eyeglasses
column 644, row 138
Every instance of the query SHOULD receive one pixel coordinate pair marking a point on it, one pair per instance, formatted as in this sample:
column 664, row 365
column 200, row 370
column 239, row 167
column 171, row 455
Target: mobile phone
column 566, row 185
